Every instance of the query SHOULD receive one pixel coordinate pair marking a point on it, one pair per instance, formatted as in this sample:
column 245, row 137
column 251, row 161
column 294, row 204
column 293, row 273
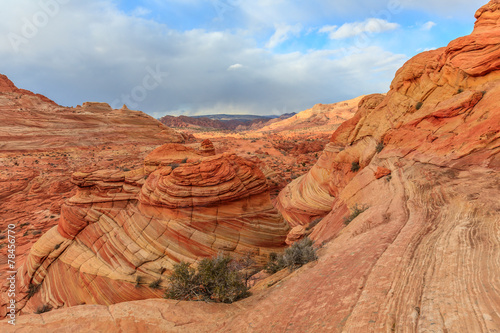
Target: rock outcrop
column 32, row 122
column 42, row 144
column 207, row 148
column 125, row 229
column 416, row 250
column 322, row 118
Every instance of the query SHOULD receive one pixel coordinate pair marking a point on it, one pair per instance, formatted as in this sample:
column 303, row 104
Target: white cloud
column 347, row 30
column 428, row 25
column 141, row 11
column 234, row 67
column 282, row 33
column 91, row 50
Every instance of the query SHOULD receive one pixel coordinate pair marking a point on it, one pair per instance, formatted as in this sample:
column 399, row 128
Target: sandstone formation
column 32, row 122
column 42, row 144
column 124, row 230
column 423, row 256
column 207, row 148
column 422, row 253
column 321, row 118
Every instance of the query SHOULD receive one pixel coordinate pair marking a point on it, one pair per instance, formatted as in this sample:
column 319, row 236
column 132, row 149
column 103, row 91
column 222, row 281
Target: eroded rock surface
column 125, row 229
column 424, row 253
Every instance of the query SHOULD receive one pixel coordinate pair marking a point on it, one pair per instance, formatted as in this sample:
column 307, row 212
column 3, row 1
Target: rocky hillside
column 214, row 123
column 406, row 211
column 42, row 144
column 321, row 118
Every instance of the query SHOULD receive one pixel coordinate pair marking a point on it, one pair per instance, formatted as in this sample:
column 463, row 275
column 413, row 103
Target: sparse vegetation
column 43, row 308
column 354, row 166
column 214, row 280
column 274, row 263
column 156, row 284
column 138, row 281
column 460, row 90
column 419, row 105
column 174, row 165
column 297, row 255
column 355, row 211
column 33, row 289
column 380, row 147
column 57, row 246
column 313, row 223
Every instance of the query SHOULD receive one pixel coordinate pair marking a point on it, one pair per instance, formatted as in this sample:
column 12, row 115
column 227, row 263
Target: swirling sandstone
column 124, row 230
column 424, row 256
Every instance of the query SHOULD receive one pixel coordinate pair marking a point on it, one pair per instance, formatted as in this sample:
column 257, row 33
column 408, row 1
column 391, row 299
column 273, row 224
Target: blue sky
column 219, row 56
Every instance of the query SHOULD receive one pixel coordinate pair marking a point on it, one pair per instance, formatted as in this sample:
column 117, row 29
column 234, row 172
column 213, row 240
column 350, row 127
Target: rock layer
column 421, row 168
column 124, row 230
column 423, row 253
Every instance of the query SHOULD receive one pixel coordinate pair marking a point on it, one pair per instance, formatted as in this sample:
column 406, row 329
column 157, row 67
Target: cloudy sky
column 219, row 56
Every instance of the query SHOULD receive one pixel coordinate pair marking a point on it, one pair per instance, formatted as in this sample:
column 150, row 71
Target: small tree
column 354, row 166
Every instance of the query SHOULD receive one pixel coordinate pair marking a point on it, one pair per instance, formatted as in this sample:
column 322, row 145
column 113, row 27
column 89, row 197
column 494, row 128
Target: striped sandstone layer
column 125, row 229
column 423, row 257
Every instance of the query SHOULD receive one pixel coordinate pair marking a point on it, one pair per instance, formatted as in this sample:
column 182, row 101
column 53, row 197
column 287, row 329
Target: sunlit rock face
column 424, row 253
column 124, row 230
column 422, row 164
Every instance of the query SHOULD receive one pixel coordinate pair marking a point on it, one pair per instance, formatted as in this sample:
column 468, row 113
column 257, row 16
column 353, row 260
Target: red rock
column 382, row 172
column 296, row 234
column 123, row 225
column 207, row 148
column 421, row 257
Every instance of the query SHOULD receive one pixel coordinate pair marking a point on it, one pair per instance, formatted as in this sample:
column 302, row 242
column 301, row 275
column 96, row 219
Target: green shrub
column 355, row 211
column 379, row 147
column 354, row 166
column 419, row 105
column 174, row 165
column 297, row 255
column 274, row 263
column 214, row 280
column 313, row 223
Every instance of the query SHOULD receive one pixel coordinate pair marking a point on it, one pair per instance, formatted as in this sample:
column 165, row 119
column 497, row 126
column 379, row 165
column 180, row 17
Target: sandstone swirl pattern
column 124, row 230
column 425, row 255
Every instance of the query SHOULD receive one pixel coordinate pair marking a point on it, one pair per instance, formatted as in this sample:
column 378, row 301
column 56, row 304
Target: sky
column 195, row 57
